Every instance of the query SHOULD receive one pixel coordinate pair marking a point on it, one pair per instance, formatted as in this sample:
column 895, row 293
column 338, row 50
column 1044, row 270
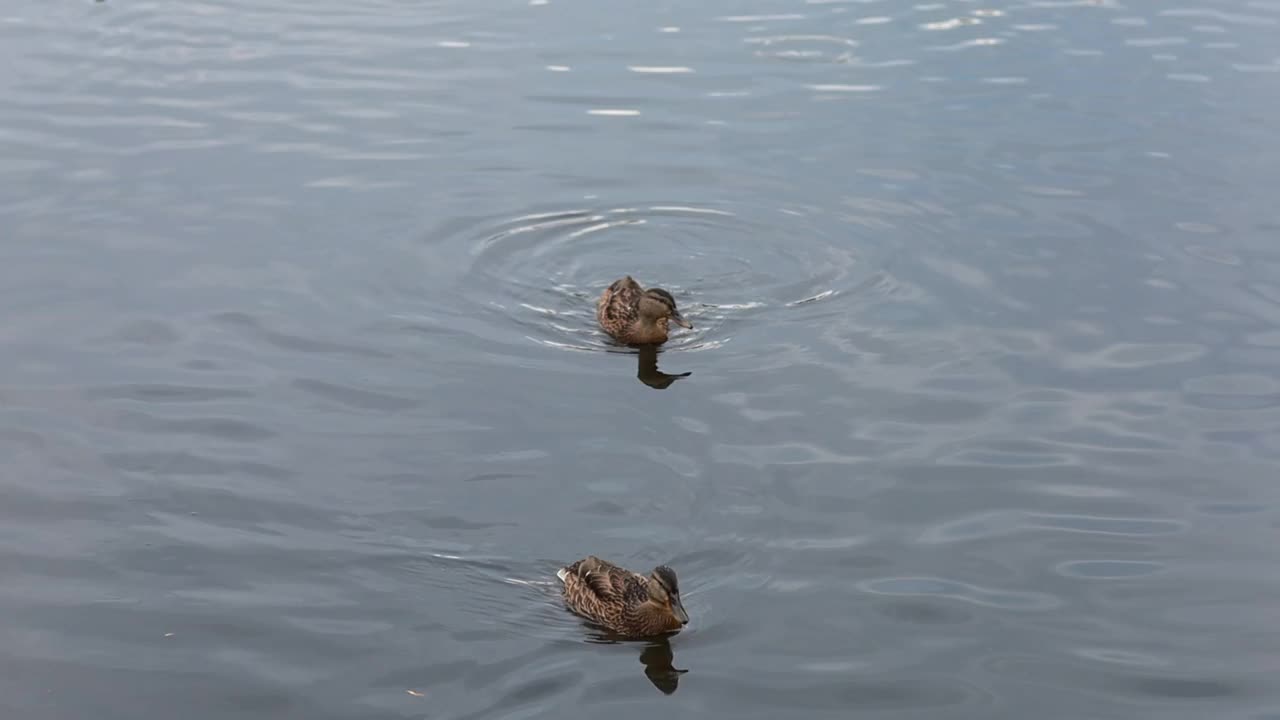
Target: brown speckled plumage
column 635, row 316
column 623, row 601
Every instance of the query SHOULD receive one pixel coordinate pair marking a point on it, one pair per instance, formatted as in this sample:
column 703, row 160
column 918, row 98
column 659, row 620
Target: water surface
column 304, row 403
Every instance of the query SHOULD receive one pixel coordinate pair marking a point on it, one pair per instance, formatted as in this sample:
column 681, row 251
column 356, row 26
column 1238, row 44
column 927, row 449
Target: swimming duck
column 635, row 316
column 623, row 601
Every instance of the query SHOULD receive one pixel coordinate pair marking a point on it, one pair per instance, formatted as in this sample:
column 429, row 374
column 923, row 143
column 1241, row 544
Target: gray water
column 303, row 402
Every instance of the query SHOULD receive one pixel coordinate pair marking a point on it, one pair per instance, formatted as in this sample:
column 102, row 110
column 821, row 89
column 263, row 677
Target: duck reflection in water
column 656, row 656
column 647, row 369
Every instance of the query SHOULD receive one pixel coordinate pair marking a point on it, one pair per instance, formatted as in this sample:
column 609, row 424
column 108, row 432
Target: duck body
column 623, row 601
column 633, row 315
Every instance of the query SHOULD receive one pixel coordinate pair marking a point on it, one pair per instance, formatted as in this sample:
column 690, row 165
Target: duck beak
column 678, row 319
column 677, row 608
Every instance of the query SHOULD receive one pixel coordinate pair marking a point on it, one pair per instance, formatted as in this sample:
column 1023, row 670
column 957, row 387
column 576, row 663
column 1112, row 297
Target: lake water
column 303, row 401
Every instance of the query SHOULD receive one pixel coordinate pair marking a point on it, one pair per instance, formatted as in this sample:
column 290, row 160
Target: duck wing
column 626, row 284
column 606, row 581
column 619, row 303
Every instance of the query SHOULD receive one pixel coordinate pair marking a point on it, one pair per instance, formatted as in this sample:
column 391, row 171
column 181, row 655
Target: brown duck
column 626, row 602
column 635, row 316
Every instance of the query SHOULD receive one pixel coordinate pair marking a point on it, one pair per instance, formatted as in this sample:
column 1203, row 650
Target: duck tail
column 562, row 573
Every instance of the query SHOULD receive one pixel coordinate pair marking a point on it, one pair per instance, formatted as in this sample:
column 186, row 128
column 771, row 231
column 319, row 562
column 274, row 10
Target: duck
column 623, row 601
column 633, row 315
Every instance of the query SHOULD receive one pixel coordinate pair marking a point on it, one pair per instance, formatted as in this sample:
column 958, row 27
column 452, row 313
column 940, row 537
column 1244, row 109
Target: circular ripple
column 544, row 270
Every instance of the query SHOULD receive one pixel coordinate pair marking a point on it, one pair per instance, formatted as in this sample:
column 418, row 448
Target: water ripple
column 1002, row 523
column 964, row 592
column 1109, row 569
column 550, row 267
